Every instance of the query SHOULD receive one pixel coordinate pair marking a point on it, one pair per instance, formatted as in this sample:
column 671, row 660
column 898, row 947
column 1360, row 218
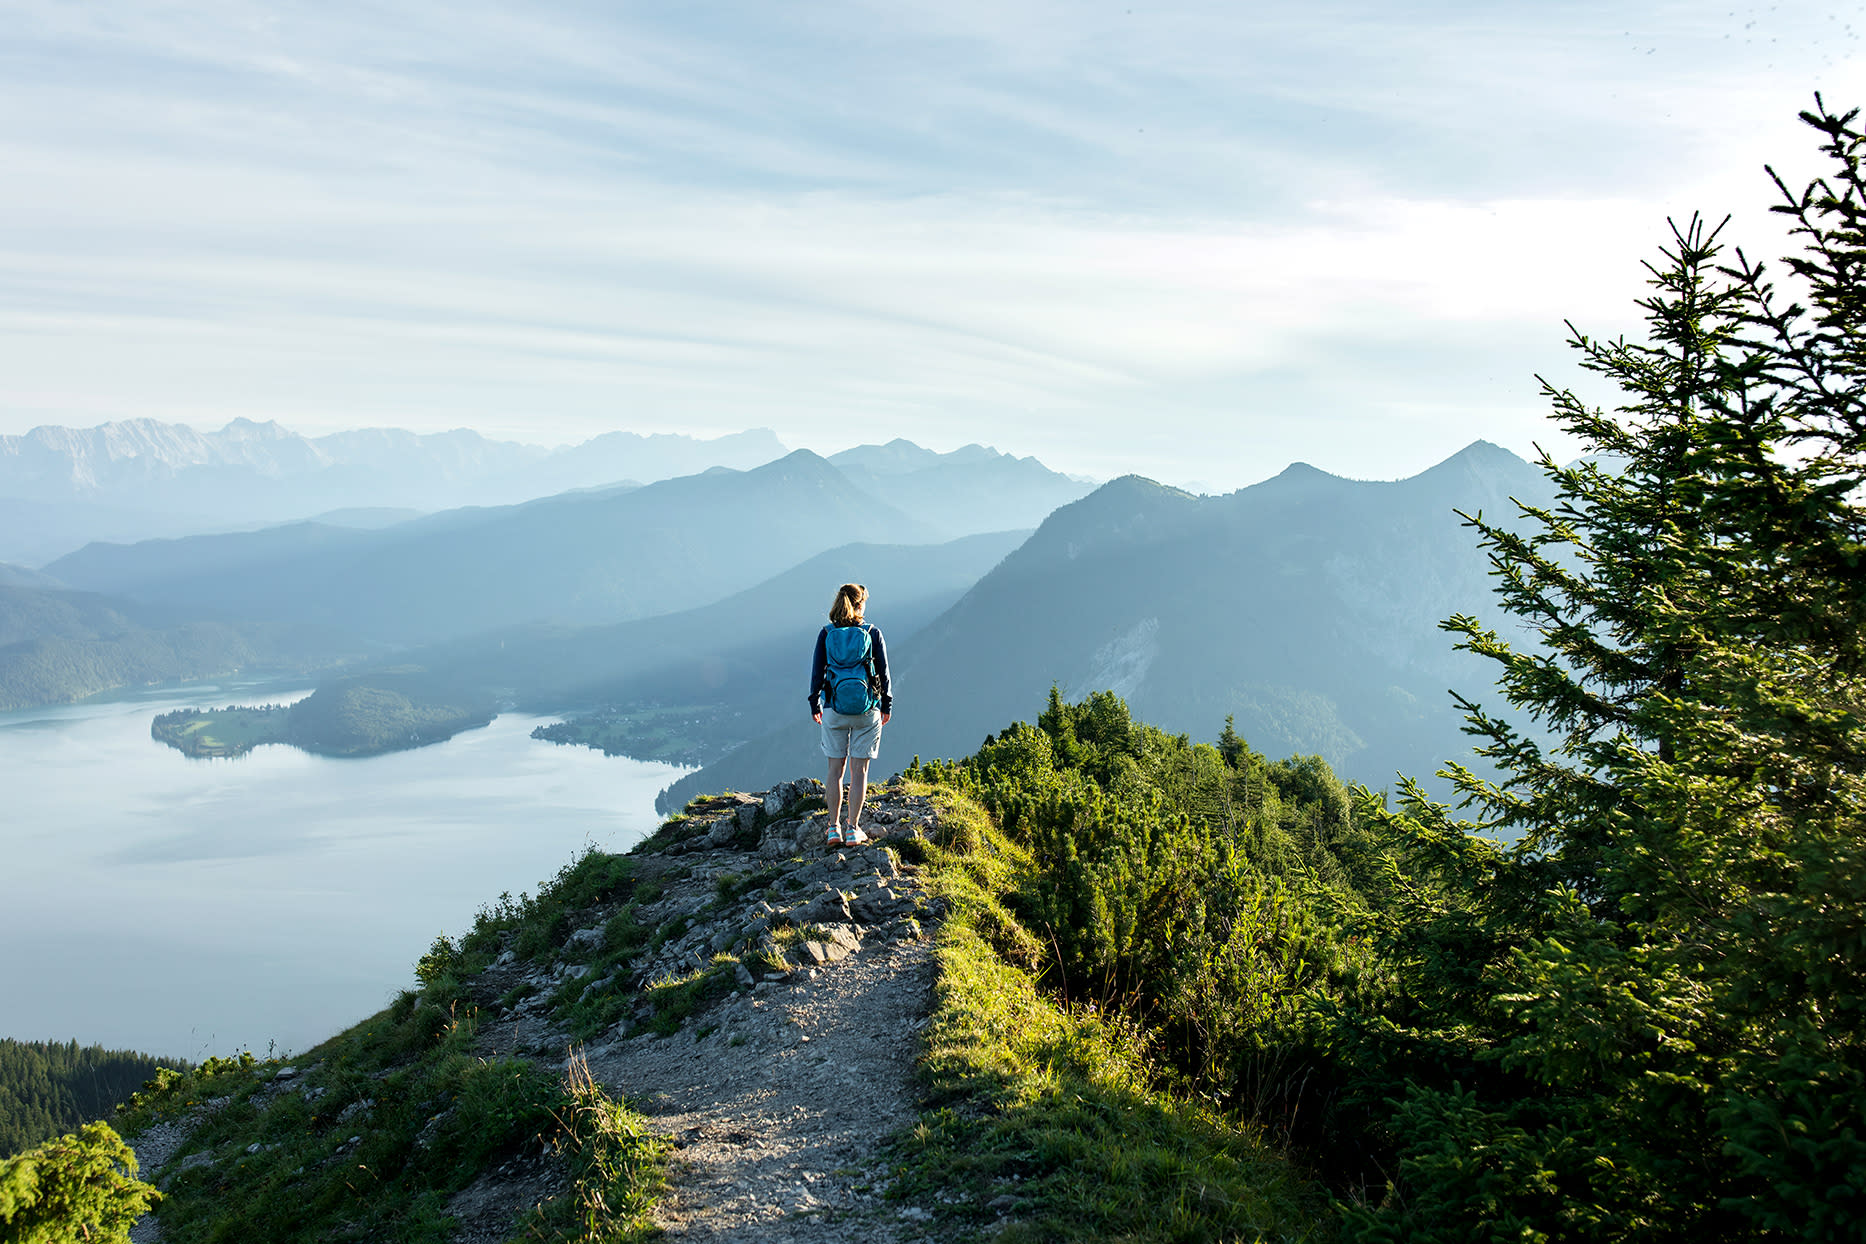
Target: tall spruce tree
column 1647, row 1016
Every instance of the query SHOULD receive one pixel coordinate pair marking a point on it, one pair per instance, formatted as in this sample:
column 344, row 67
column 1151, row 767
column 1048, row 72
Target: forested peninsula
column 687, row 735
column 391, row 711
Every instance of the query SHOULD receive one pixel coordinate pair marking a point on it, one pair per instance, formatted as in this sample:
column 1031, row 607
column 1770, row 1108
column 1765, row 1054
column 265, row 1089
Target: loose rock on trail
column 778, row 1097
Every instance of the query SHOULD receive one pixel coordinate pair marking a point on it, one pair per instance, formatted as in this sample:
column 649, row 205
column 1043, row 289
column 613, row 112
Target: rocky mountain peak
column 242, row 428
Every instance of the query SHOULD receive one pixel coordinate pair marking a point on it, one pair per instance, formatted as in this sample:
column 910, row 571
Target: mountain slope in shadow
column 580, row 558
column 1307, row 607
column 750, row 650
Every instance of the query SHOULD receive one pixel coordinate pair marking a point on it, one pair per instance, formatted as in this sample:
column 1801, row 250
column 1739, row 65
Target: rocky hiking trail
column 779, row 1089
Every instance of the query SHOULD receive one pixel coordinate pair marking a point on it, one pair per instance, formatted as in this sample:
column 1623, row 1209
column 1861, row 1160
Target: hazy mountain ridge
column 533, row 576
column 581, row 558
column 57, row 646
column 33, row 533
column 1306, row 606
column 127, row 568
column 590, row 557
column 970, row 489
column 20, row 576
column 137, row 479
column 129, row 456
column 738, row 641
column 145, row 458
column 73, row 485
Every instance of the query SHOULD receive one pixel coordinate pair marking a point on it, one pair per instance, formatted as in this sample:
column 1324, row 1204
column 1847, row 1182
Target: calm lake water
column 193, row 907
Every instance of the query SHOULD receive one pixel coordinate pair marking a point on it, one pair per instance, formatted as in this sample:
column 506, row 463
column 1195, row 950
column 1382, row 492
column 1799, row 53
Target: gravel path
column 777, row 1135
column 153, row 1148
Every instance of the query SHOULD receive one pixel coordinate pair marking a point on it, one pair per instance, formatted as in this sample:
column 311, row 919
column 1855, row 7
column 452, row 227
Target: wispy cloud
column 1195, row 241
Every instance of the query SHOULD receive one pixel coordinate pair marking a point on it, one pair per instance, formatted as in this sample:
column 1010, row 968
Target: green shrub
column 1194, row 889
column 78, row 1187
column 497, row 1106
column 1052, row 1108
column 625, row 931
column 536, row 927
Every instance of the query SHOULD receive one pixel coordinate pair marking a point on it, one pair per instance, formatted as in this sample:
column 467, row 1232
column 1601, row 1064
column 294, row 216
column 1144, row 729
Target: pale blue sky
column 1195, row 240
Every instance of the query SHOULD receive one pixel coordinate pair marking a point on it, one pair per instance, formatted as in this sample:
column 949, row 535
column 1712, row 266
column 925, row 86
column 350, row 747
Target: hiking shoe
column 833, row 838
column 854, row 837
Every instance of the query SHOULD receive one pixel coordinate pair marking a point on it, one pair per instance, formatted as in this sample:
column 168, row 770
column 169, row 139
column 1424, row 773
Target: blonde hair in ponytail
column 850, row 600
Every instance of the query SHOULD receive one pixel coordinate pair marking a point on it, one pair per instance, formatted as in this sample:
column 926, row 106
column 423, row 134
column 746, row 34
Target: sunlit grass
column 1043, row 1118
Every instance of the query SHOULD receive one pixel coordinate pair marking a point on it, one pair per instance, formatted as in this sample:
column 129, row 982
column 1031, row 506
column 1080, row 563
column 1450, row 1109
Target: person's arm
column 882, row 686
column 818, row 664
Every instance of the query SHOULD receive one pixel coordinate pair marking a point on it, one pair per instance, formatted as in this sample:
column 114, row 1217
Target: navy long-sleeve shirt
column 819, row 664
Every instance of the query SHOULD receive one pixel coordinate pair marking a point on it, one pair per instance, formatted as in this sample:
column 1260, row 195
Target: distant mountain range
column 590, row 557
column 263, row 466
column 137, row 479
column 63, row 487
column 583, row 557
column 1307, row 607
column 586, row 558
column 20, row 576
column 967, row 491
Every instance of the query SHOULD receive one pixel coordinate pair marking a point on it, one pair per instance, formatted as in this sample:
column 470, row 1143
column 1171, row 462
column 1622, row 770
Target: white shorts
column 857, row 737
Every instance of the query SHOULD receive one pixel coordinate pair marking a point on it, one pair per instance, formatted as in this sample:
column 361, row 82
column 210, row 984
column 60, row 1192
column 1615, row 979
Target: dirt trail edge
column 778, row 1137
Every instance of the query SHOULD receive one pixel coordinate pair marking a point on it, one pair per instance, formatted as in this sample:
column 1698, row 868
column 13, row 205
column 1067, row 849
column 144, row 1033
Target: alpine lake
column 176, row 905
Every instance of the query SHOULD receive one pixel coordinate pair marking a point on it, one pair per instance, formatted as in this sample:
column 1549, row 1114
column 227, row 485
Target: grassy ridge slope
column 369, row 1135
column 1045, row 1118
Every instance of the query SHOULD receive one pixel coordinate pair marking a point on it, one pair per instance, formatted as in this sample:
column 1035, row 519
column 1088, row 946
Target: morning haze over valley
column 975, row 624
column 660, row 600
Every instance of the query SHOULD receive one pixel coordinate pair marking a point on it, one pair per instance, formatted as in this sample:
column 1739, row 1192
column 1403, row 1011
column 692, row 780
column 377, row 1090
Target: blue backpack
column 848, row 682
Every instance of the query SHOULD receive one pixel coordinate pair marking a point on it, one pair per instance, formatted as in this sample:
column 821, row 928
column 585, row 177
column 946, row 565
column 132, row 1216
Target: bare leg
column 832, row 790
column 858, row 789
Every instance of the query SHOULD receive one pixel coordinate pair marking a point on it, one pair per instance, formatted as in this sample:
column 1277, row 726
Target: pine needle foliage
column 1644, row 1020
column 78, row 1187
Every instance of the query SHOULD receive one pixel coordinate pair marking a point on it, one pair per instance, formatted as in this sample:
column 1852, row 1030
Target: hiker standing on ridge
column 850, row 698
